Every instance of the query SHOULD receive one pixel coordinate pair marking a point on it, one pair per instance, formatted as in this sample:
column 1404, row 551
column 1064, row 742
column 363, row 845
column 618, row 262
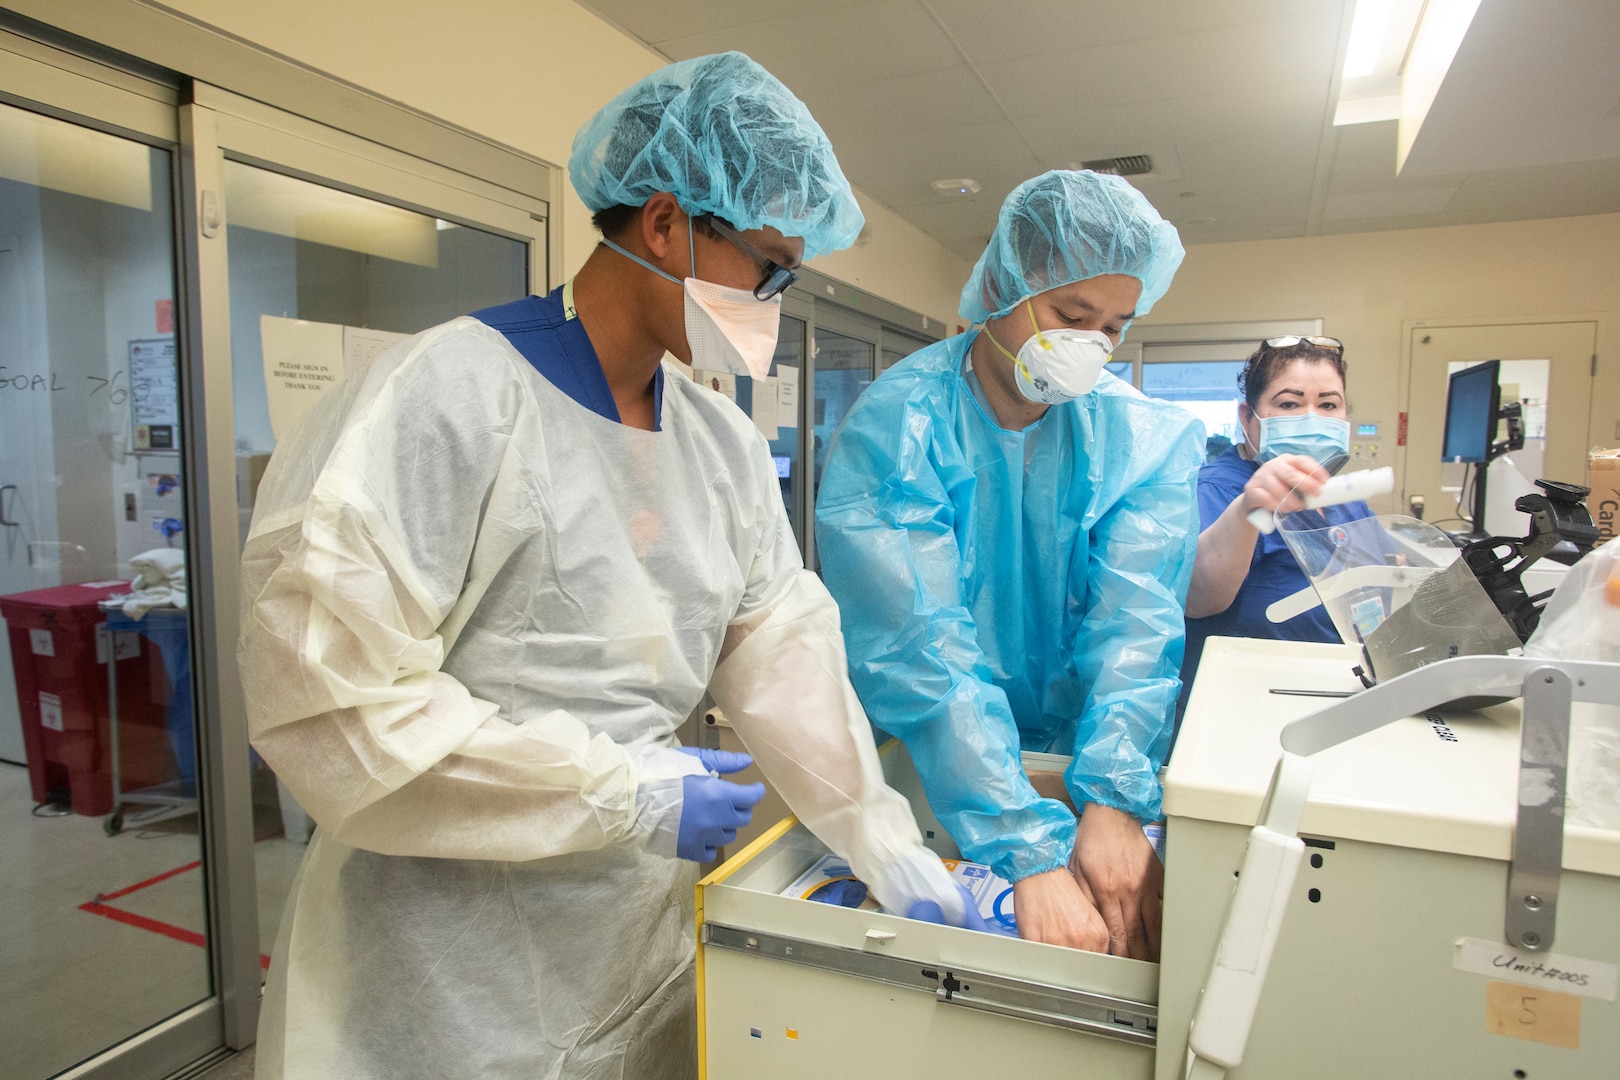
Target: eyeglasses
column 1288, row 341
column 778, row 278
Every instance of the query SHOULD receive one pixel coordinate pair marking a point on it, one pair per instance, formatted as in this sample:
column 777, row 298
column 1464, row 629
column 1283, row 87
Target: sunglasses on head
column 778, row 278
column 1288, row 341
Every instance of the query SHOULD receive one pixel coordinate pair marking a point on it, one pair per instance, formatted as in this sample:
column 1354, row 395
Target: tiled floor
column 72, row 981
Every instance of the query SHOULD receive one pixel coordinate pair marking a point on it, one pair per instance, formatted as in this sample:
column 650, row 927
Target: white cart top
column 1436, row 783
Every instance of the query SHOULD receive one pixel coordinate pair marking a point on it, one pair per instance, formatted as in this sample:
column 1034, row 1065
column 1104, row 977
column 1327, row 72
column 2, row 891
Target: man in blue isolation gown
column 1009, row 531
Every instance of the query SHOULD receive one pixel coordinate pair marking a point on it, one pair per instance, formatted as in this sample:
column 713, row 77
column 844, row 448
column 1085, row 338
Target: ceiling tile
column 655, row 21
column 1531, row 84
column 897, row 168
column 1220, row 234
column 1540, row 191
column 1234, row 212
column 1364, row 157
column 1013, row 28
column 1364, row 162
column 1083, row 133
column 1348, row 205
column 950, row 97
column 1250, row 167
column 825, row 48
column 1221, row 61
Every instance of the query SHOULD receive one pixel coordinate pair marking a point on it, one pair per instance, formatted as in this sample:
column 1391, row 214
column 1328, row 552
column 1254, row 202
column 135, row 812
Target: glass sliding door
column 843, row 370
column 321, row 280
column 787, row 369
column 104, row 921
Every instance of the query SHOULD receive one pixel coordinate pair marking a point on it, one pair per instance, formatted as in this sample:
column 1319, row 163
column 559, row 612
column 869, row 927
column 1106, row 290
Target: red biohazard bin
column 60, row 647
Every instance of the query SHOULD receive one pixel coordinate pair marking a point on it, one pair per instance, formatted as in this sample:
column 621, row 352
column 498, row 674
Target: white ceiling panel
column 1219, row 61
column 1234, row 211
column 1082, row 131
column 827, row 47
column 1005, row 29
column 1358, row 205
column 953, row 97
column 1192, row 235
column 992, row 154
column 1543, row 191
column 1259, row 165
column 1532, row 84
column 655, row 22
column 1230, row 97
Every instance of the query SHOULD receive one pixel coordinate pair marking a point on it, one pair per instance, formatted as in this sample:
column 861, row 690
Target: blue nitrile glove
column 929, row 911
column 712, row 810
column 718, row 761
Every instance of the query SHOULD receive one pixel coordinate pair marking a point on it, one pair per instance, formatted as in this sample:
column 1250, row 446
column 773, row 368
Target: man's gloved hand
column 718, row 761
column 712, row 809
column 929, row 911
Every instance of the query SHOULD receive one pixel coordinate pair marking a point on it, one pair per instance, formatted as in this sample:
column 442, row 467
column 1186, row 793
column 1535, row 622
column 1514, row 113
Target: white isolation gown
column 474, row 614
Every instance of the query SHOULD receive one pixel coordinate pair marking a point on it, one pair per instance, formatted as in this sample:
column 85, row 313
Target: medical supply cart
column 1392, row 953
column 793, row 989
column 1391, row 946
column 166, row 630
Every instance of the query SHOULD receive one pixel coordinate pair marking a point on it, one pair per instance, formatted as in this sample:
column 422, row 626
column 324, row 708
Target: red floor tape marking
column 129, row 918
column 98, row 906
column 138, row 886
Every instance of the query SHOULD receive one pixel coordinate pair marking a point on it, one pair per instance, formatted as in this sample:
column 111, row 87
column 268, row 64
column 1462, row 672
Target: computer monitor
column 784, row 466
column 1473, row 403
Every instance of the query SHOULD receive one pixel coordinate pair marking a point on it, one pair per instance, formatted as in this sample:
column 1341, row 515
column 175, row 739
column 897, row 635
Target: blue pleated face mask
column 1319, row 438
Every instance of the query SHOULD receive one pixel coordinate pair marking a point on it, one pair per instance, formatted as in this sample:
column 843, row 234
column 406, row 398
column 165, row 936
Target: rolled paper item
column 1346, row 487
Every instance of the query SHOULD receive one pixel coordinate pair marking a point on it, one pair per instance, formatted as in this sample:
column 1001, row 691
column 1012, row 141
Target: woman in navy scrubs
column 1293, row 416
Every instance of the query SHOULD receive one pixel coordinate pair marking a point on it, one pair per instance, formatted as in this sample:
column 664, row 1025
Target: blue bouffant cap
column 725, row 137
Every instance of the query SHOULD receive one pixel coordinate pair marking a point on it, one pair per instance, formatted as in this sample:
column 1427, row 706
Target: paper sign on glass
column 765, row 406
column 302, row 361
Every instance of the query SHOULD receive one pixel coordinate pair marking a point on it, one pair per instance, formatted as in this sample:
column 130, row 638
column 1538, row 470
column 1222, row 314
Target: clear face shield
column 1393, row 585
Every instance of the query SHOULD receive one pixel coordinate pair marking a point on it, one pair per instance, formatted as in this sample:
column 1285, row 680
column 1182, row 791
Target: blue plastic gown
column 1006, row 591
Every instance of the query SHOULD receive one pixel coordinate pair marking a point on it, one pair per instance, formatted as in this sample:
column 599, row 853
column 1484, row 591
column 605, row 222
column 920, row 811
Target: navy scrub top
column 545, row 330
column 1273, row 573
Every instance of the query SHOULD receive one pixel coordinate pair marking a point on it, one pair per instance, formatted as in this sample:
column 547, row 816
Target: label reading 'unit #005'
column 1551, row 971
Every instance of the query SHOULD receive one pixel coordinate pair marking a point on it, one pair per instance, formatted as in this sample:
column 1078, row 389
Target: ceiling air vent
column 1130, row 165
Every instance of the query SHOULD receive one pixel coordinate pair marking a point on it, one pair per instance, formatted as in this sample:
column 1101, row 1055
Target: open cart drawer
column 789, row 988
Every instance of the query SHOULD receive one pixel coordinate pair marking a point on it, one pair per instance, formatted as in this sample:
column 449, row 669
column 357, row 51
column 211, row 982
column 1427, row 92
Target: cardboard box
column 1603, row 477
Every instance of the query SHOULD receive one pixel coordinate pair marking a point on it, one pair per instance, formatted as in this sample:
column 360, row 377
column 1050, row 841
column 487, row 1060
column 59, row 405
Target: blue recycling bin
column 167, row 628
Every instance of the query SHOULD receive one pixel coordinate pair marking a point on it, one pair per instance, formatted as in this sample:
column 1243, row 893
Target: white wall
column 528, row 73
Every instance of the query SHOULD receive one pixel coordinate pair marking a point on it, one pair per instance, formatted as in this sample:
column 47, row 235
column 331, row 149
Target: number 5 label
column 1525, row 1012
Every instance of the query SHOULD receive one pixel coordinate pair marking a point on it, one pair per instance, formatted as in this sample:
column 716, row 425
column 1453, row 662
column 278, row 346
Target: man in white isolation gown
column 488, row 578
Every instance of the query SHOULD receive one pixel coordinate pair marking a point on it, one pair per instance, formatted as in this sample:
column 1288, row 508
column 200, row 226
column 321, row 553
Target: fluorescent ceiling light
column 1366, row 37
column 1439, row 35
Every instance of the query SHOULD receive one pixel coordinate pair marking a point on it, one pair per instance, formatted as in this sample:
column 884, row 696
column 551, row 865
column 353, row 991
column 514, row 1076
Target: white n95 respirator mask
column 1054, row 366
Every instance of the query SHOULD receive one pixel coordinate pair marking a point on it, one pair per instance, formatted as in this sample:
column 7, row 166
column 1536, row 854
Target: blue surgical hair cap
column 1062, row 227
column 725, row 137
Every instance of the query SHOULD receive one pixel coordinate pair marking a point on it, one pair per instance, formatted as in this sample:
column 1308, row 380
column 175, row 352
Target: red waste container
column 59, row 650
